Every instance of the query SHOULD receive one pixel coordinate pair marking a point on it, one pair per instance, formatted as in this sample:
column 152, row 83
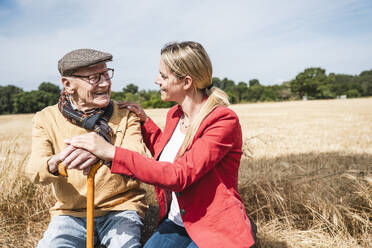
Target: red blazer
column 205, row 178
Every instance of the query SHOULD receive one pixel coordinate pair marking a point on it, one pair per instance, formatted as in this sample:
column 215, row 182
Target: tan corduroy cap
column 80, row 58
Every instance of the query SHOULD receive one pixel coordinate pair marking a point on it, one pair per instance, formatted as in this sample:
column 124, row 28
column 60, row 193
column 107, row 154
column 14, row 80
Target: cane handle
column 62, row 170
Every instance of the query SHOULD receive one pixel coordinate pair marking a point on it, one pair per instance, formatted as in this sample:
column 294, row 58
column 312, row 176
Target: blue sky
column 269, row 40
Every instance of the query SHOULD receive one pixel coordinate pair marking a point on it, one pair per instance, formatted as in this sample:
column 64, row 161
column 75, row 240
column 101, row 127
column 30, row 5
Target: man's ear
column 67, row 85
column 187, row 83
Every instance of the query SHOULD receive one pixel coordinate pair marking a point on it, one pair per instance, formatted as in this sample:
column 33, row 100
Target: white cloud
column 268, row 40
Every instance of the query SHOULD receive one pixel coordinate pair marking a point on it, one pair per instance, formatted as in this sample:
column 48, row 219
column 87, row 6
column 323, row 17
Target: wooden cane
column 90, row 199
column 62, row 170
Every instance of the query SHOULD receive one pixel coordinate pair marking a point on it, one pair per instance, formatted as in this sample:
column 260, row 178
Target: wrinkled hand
column 73, row 158
column 80, row 159
column 136, row 108
column 58, row 158
column 95, row 144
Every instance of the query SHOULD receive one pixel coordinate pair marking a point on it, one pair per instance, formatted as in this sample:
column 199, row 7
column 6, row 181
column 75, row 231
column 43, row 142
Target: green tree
column 284, row 91
column 353, row 93
column 227, row 84
column 145, row 95
column 33, row 101
column 312, row 82
column 268, row 94
column 156, row 102
column 131, row 88
column 223, row 84
column 307, row 82
column 216, row 82
column 50, row 88
column 232, row 97
column 325, row 92
column 365, row 80
column 255, row 92
column 53, row 91
column 254, row 82
column 342, row 84
column 117, row 96
column 240, row 90
column 130, row 97
column 236, row 92
column 325, row 89
column 7, row 96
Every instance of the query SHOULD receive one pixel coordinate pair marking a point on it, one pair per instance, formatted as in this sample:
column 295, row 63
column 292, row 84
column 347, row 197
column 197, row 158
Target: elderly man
column 85, row 106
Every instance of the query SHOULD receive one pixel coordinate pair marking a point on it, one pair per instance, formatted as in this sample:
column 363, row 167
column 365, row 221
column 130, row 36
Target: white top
column 168, row 154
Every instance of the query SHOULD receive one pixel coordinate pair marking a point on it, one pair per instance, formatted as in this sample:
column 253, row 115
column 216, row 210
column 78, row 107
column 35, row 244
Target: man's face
column 86, row 95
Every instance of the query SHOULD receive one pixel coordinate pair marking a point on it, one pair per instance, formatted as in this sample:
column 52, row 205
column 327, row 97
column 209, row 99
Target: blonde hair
column 189, row 58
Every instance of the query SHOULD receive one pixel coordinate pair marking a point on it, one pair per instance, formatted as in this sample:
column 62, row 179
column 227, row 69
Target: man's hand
column 73, row 158
column 80, row 159
column 58, row 158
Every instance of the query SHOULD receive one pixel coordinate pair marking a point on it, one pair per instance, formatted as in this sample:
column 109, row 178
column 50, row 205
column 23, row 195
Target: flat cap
column 80, row 58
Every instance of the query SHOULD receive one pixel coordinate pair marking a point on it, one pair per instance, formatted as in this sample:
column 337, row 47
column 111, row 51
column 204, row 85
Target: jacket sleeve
column 41, row 151
column 216, row 141
column 151, row 134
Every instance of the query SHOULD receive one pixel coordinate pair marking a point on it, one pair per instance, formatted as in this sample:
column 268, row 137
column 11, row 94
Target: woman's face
column 171, row 88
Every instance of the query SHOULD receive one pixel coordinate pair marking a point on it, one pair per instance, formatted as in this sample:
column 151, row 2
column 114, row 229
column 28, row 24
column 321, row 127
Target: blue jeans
column 170, row 235
column 116, row 229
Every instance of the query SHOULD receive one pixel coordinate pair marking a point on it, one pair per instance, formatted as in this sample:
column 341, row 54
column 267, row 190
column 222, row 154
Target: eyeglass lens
column 93, row 79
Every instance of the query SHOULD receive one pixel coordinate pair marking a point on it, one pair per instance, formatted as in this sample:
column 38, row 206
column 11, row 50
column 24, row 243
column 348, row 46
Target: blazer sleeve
column 41, row 151
column 151, row 134
column 216, row 141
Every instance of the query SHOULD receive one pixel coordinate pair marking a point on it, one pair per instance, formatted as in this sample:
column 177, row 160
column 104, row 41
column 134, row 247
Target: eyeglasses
column 96, row 78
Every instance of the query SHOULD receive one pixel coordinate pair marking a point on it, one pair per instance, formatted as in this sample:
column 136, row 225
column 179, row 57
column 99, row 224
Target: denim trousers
column 170, row 235
column 115, row 229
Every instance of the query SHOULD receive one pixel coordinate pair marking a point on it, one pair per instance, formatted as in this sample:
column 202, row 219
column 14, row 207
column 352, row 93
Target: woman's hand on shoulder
column 136, row 108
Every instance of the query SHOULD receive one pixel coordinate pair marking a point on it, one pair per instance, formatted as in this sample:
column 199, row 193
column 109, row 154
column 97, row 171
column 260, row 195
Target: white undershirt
column 168, row 154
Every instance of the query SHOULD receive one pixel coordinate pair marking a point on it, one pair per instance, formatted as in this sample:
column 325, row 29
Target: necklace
column 183, row 122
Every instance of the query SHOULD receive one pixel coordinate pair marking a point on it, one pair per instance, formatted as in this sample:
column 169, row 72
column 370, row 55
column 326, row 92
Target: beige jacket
column 112, row 191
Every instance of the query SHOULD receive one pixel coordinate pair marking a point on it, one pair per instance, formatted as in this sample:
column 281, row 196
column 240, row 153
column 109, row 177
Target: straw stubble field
column 305, row 177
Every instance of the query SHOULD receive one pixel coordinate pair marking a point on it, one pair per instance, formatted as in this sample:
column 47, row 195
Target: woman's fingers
column 89, row 142
column 133, row 108
column 82, row 141
column 95, row 144
column 124, row 104
column 136, row 108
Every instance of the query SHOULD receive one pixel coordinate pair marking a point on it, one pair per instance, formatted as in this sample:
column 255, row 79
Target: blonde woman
column 196, row 157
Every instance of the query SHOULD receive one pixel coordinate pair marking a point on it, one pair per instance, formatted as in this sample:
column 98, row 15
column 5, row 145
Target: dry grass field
column 305, row 177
